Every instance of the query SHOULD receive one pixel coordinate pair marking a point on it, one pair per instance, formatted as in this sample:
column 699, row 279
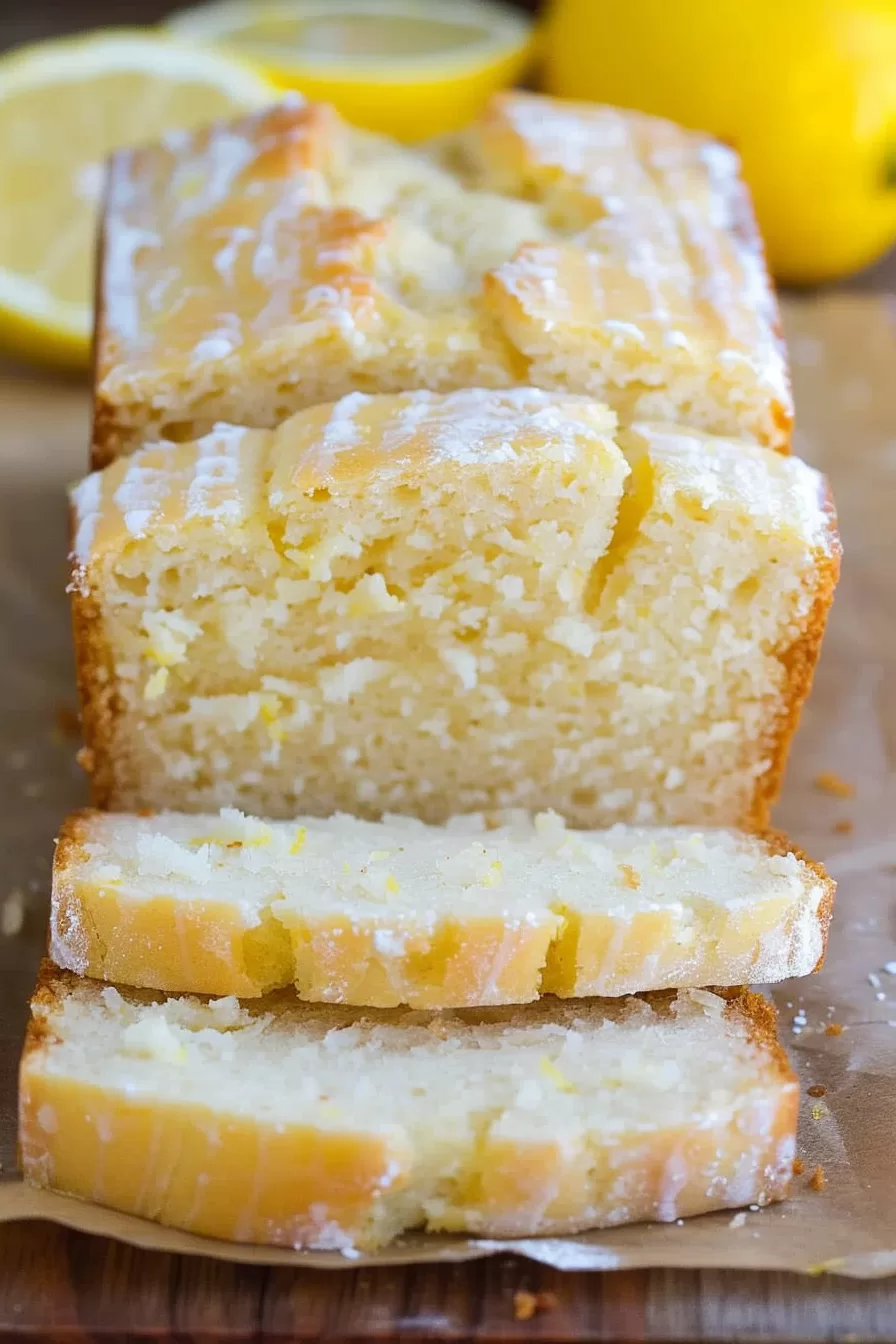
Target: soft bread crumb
column 526, row 1304
column 830, row 782
column 817, row 1180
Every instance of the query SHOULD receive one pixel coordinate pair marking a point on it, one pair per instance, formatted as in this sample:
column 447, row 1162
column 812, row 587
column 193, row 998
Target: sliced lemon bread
column 253, row 269
column 346, row 1129
column 435, row 604
column 397, row 912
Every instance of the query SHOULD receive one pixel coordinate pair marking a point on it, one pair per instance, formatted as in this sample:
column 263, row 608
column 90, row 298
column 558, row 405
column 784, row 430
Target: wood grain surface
column 65, row 1286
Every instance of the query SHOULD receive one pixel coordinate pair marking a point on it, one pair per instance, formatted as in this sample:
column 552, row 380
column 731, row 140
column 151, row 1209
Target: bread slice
column 395, row 912
column 307, row 1126
column 432, row 604
column 250, row 270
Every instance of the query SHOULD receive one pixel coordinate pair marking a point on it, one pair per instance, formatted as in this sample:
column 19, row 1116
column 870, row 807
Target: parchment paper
column 844, row 358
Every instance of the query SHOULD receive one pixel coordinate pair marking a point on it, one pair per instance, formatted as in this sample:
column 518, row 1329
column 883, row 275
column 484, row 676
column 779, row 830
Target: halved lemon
column 407, row 68
column 64, row 106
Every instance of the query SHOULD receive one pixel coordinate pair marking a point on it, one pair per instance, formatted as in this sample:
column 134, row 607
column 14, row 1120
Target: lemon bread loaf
column 253, row 269
column 346, row 1128
column 397, row 912
column 435, row 604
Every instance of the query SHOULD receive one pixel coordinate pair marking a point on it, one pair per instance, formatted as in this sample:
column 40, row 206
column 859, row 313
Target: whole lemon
column 805, row 90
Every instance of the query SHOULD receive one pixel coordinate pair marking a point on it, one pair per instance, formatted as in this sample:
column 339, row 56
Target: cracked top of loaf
column 252, row 269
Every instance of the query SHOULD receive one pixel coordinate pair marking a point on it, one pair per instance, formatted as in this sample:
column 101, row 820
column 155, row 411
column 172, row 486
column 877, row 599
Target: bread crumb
column 86, row 760
column 817, row 1179
column 798, row 1167
column 816, row 1090
column 12, row 914
column 738, row 1220
column 630, row 878
column 830, row 782
column 526, row 1305
column 833, row 1029
column 818, row 1112
column 844, row 826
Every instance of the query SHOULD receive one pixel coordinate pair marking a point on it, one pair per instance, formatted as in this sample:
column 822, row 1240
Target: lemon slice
column 63, row 107
column 407, row 68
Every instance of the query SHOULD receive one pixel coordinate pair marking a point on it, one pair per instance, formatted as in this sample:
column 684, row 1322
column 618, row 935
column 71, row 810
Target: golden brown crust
column 760, row 1017
column 49, row 991
column 70, row 842
column 799, row 662
column 95, row 678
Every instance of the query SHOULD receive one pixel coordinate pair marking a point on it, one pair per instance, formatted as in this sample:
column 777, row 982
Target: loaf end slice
column 287, row 1124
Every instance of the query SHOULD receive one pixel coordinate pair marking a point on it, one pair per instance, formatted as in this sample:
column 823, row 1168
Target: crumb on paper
column 844, row 826
column 33, row 789
column 630, row 878
column 526, row 1305
column 68, row 724
column 817, row 1090
column 890, row 967
column 874, row 980
column 798, row 1167
column 833, row 1029
column 818, row 1112
column 830, row 782
column 738, row 1220
column 17, row 760
column 12, row 914
column 817, row 1180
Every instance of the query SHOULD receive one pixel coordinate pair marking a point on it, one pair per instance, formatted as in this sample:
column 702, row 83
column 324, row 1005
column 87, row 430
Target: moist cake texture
column 481, row 911
column 349, row 1127
column 441, row 604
